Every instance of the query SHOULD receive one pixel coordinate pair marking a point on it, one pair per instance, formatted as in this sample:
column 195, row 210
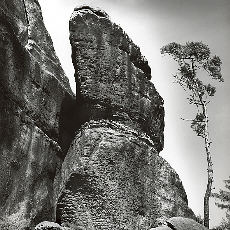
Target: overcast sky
column 152, row 24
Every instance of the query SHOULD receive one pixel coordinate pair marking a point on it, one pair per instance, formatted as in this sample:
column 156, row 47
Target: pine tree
column 194, row 61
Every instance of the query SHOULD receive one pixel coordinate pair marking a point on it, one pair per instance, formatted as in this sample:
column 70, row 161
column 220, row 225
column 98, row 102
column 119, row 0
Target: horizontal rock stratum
column 89, row 161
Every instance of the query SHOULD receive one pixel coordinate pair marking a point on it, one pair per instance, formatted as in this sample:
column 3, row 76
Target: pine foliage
column 223, row 202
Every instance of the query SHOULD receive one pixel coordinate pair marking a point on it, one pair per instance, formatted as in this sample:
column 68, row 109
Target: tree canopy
column 192, row 58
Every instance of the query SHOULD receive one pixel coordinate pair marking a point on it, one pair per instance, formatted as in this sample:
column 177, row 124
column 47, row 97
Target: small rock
column 161, row 228
column 46, row 225
column 181, row 223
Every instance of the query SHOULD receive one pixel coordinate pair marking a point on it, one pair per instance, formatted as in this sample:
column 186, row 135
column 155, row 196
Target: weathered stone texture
column 46, row 225
column 12, row 12
column 26, row 22
column 40, row 44
column 161, row 228
column 113, row 178
column 181, row 223
column 32, row 93
column 111, row 73
column 170, row 192
column 105, row 176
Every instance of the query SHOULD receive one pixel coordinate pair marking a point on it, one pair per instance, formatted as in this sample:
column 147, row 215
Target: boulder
column 46, row 225
column 161, row 228
column 181, row 223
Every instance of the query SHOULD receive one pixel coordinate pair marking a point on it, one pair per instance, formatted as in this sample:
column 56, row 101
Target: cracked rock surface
column 33, row 88
column 112, row 74
column 89, row 161
column 112, row 176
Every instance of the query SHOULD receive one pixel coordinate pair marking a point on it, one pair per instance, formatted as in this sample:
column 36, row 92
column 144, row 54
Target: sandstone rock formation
column 112, row 176
column 33, row 91
column 112, row 76
column 91, row 161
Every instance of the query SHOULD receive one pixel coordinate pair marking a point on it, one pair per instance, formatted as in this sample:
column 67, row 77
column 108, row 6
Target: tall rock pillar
column 112, row 176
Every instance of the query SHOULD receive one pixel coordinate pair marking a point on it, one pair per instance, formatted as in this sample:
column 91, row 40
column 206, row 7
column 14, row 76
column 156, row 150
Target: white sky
column 152, row 24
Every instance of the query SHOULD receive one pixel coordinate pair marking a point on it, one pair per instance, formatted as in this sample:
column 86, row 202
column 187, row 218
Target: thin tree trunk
column 209, row 168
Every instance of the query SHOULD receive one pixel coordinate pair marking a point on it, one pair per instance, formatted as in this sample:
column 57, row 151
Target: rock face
column 33, row 91
column 112, row 75
column 90, row 161
column 112, row 176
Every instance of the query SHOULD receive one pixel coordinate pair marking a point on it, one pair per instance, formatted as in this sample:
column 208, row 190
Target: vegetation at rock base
column 195, row 60
column 223, row 198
